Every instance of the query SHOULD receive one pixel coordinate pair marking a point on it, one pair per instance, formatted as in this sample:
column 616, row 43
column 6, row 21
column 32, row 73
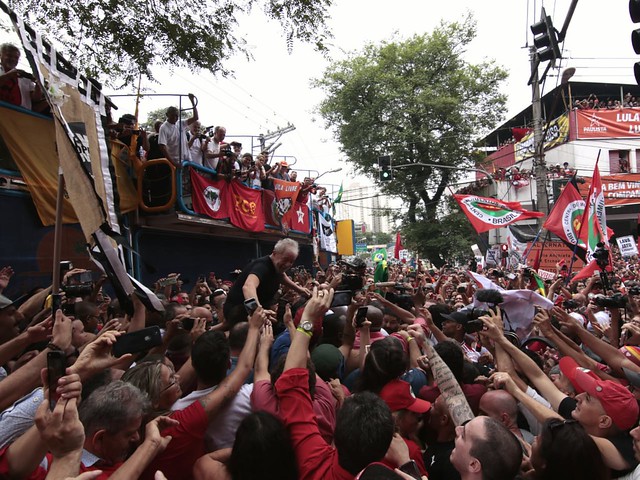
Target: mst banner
column 620, row 189
column 608, row 123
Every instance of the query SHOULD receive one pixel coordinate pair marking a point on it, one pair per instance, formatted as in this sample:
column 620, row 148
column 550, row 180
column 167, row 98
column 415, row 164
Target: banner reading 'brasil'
column 489, row 213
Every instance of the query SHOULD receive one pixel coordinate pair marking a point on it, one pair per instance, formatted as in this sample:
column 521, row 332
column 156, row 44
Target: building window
column 619, row 161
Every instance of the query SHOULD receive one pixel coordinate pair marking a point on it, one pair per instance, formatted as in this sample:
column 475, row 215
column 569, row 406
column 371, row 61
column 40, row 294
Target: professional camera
column 601, row 255
column 352, row 274
column 78, row 285
column 225, row 150
column 614, row 301
column 570, row 304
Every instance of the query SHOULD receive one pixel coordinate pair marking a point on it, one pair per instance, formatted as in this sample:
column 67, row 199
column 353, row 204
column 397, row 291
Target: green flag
column 338, row 199
column 379, row 255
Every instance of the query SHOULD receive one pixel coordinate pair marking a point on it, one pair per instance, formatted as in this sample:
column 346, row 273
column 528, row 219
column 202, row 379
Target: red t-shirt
column 186, row 446
column 316, row 459
column 41, row 473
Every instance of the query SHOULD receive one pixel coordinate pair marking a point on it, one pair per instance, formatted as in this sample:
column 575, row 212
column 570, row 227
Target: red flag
column 489, row 213
column 594, row 219
column 300, row 220
column 396, row 251
column 587, row 271
column 209, row 197
column 286, row 194
column 566, row 216
column 245, row 209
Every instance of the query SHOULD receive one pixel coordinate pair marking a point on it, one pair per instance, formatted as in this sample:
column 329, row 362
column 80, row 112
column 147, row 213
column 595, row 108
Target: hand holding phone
column 361, row 316
column 56, row 367
column 250, row 304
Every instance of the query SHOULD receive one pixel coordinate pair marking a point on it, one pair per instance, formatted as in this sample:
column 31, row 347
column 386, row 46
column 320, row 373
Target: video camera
column 601, row 255
column 79, row 285
column 352, row 281
column 614, row 301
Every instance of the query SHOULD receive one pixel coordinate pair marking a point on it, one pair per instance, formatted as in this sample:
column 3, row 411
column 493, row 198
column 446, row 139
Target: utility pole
column 542, row 203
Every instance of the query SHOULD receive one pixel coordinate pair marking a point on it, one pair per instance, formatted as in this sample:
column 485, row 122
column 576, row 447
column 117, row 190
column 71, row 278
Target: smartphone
column 80, row 278
column 56, row 366
column 361, row 316
column 187, row 323
column 168, row 281
column 411, row 469
column 250, row 305
column 342, row 298
column 56, row 303
column 138, row 341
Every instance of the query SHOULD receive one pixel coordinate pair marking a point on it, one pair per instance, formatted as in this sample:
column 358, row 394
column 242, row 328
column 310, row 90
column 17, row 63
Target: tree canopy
column 117, row 40
column 420, row 102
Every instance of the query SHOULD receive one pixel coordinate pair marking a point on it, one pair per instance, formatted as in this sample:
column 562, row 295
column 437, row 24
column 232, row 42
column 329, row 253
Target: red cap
column 617, row 402
column 397, row 395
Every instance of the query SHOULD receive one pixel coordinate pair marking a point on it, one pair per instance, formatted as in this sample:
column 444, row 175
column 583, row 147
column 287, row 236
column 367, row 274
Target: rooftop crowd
column 280, row 372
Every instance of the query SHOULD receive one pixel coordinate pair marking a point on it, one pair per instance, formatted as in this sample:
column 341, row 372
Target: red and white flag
column 594, row 219
column 489, row 213
column 566, row 217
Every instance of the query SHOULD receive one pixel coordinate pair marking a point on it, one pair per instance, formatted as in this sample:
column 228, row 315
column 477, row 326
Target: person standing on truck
column 261, row 280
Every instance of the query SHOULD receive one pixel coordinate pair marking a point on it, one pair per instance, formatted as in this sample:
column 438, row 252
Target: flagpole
column 585, row 215
column 57, row 235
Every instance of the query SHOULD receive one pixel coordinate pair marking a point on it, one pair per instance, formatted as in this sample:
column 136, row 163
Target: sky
column 273, row 90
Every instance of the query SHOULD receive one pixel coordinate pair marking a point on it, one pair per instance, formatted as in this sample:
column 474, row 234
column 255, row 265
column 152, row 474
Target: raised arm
column 447, row 384
column 542, row 383
column 229, row 387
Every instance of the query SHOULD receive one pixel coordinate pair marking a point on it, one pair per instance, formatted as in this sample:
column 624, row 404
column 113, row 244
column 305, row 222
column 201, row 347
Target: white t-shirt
column 170, row 137
column 222, row 429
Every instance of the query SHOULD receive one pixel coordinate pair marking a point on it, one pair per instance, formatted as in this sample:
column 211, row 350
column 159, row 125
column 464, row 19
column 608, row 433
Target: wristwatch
column 306, row 326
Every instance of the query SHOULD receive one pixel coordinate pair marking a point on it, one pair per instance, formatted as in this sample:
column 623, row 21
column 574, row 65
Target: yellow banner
column 557, row 133
column 346, row 239
column 31, row 142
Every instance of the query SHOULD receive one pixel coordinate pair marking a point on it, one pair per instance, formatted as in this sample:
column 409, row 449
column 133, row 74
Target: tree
column 118, row 40
column 420, row 102
column 160, row 114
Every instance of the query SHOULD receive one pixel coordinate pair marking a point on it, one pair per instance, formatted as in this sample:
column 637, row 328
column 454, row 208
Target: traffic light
column 634, row 12
column 504, row 250
column 545, row 39
column 384, row 168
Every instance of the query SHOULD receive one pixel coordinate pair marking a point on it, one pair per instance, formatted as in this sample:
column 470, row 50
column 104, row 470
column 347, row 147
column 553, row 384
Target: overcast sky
column 273, row 89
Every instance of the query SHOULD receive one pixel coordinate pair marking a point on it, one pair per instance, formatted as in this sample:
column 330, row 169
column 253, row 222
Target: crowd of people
column 592, row 102
column 283, row 372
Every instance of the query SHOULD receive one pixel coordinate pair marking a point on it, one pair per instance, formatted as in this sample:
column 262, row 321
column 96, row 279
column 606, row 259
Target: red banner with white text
column 620, row 189
column 623, row 122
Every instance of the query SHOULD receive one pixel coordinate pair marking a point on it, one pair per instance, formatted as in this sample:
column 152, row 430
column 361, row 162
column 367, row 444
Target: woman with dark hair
column 262, row 450
column 385, row 361
column 565, row 450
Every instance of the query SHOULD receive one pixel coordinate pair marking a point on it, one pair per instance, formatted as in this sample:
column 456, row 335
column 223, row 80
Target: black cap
column 458, row 317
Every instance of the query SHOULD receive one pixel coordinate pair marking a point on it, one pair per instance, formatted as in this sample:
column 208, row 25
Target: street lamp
column 329, row 171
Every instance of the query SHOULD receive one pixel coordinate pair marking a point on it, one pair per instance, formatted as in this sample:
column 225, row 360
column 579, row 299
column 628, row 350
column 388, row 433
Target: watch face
column 306, row 326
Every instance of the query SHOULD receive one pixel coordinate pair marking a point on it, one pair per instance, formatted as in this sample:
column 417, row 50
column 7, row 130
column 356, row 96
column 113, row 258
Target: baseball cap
column 5, row 302
column 458, row 317
column 327, row 359
column 617, row 402
column 397, row 395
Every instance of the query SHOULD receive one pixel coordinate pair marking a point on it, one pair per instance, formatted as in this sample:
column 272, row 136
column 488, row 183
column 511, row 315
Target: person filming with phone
column 260, row 280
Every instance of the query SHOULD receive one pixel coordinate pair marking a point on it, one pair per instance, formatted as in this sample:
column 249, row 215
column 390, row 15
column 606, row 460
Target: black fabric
column 437, row 463
column 270, row 279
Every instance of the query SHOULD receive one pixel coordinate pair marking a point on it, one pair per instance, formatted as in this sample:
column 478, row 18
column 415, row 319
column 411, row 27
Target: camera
column 79, row 285
column 352, row 275
column 614, row 301
column 634, row 291
column 601, row 255
column 570, row 304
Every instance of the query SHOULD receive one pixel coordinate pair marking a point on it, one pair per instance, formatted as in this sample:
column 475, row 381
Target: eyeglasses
column 172, row 381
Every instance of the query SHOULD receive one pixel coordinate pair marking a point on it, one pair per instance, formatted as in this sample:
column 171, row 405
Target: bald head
column 375, row 316
column 501, row 406
column 201, row 312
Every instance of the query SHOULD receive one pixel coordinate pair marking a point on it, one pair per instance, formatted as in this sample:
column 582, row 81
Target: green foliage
column 118, row 40
column 160, row 114
column 420, row 102
column 448, row 240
